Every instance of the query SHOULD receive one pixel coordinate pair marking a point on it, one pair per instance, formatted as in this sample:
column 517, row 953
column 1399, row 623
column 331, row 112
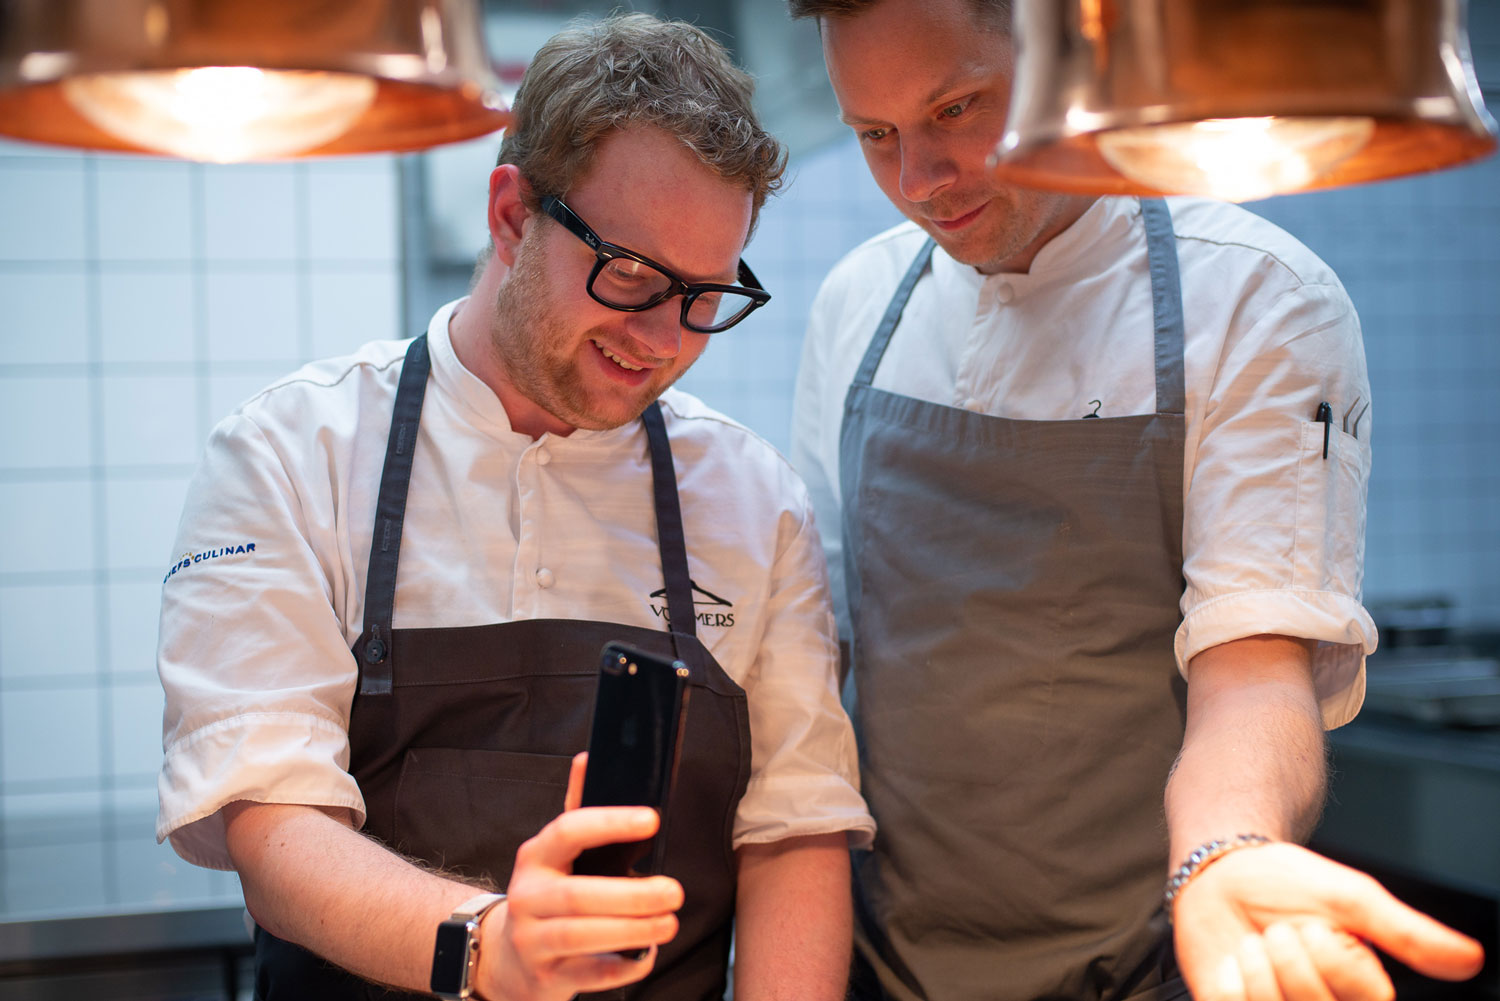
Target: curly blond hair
column 633, row 69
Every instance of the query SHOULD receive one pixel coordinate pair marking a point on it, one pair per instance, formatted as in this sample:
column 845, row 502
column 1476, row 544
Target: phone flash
column 631, row 669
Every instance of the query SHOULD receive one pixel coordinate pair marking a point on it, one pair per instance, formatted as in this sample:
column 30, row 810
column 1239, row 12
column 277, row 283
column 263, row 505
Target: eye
column 955, row 109
column 624, row 271
column 874, row 135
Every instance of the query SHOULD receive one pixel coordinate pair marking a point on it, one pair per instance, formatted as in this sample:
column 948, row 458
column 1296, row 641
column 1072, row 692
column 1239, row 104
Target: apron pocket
column 467, row 811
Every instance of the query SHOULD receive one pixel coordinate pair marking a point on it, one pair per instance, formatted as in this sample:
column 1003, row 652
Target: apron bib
column 1013, row 591
column 461, row 740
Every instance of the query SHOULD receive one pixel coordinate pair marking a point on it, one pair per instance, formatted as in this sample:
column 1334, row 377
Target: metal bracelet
column 1199, row 858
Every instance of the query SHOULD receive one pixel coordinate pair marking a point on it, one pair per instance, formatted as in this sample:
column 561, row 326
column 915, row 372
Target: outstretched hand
column 1280, row 923
column 558, row 934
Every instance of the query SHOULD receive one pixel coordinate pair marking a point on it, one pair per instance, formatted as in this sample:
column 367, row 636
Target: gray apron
column 461, row 740
column 1013, row 594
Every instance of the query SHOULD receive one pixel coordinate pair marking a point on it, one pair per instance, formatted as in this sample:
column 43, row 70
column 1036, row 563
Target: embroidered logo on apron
column 711, row 610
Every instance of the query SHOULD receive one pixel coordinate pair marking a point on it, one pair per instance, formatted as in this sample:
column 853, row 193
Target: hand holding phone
column 639, row 710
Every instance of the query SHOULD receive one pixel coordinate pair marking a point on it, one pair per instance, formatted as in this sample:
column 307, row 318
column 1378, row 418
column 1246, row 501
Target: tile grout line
column 93, row 277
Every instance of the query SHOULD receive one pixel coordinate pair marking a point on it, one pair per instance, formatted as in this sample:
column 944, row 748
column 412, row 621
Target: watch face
column 450, row 959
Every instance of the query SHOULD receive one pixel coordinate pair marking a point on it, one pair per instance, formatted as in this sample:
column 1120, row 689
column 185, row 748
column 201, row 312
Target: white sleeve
column 804, row 776
column 815, row 435
column 1273, row 533
column 257, row 671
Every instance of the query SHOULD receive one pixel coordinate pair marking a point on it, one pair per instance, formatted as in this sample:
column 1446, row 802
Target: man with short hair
column 474, row 514
column 1060, row 445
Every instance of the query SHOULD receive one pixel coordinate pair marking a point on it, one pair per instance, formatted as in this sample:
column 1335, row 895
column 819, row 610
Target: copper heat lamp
column 1238, row 99
column 227, row 80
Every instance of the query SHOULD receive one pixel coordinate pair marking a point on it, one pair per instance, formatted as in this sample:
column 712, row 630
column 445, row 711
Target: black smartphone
column 639, row 710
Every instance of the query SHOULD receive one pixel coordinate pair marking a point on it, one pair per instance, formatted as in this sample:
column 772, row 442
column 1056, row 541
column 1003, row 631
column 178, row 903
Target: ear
column 508, row 214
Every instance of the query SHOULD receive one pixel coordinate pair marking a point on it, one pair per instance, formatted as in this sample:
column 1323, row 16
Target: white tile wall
column 51, row 735
column 349, row 307
column 140, row 301
column 44, row 318
column 250, row 213
column 33, row 647
column 351, row 214
column 147, row 316
column 135, row 730
column 145, row 210
column 49, row 527
column 53, row 414
column 133, row 606
column 141, row 522
column 44, row 207
column 253, row 316
column 161, row 428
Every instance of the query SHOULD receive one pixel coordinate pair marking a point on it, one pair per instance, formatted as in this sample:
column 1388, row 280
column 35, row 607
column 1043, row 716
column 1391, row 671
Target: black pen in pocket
column 1325, row 415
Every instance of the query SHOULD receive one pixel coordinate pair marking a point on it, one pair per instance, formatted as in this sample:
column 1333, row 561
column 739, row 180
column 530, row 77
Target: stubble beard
column 531, row 346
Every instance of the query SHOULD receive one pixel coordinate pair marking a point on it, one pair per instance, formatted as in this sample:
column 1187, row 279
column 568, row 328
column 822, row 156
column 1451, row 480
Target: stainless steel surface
column 435, row 81
column 1089, row 66
column 124, row 933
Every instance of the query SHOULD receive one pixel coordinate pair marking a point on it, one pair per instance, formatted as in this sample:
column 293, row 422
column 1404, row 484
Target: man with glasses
column 472, row 515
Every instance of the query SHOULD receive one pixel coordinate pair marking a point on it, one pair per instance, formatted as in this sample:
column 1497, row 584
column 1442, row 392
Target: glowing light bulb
column 223, row 113
column 1236, row 159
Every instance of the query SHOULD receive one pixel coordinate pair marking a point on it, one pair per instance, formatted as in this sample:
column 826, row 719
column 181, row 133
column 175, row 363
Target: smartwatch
column 456, row 955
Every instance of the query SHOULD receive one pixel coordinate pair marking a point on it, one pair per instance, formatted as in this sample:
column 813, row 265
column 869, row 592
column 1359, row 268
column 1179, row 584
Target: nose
column 926, row 168
column 659, row 329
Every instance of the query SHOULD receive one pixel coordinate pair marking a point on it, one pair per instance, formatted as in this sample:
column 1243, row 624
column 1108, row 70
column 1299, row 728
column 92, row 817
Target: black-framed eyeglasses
column 625, row 280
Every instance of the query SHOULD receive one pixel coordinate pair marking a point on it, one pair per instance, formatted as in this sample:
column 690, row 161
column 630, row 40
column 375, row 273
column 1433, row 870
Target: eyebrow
column 955, row 82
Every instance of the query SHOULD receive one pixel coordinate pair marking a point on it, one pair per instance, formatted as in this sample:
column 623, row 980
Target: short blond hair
column 593, row 79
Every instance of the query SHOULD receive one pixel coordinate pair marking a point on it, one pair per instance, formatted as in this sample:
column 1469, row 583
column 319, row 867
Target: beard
column 541, row 354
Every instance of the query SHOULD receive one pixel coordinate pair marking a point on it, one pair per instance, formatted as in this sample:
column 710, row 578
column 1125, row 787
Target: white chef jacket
column 1273, row 534
column 265, row 598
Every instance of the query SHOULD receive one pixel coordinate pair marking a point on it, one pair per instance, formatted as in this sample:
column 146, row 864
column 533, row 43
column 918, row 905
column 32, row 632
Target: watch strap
column 474, row 907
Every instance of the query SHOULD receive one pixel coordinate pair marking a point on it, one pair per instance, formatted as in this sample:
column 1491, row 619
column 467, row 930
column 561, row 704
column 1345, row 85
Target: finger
column 558, row 844
column 603, row 972
column 559, row 939
column 1256, row 968
column 1345, row 963
column 1411, row 936
column 1295, row 971
column 573, row 798
column 604, row 895
column 1228, row 982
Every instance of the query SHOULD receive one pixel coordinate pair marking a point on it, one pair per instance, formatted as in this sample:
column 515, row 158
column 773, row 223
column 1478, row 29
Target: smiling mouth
column 957, row 222
column 606, row 352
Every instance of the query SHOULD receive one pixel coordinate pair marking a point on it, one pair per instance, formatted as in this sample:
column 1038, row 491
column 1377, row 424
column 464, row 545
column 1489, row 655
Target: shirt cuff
column 1344, row 630
column 802, row 807
column 261, row 757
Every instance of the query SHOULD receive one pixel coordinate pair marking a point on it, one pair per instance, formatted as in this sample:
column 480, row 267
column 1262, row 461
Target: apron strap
column 669, row 534
column 887, row 327
column 1166, row 305
column 374, row 655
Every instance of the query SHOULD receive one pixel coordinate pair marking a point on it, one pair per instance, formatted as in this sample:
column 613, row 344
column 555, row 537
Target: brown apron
column 461, row 739
column 1013, row 592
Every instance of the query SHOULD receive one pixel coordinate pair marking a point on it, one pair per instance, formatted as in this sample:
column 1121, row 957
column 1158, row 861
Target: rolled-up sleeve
column 255, row 665
column 805, row 771
column 1273, row 530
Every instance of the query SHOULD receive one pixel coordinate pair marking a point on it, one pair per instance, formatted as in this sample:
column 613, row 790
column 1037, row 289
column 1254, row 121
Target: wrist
column 1201, row 858
column 455, row 959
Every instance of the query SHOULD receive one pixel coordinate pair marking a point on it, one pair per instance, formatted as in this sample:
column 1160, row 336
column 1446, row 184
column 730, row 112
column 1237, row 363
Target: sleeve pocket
column 1328, row 551
column 467, row 811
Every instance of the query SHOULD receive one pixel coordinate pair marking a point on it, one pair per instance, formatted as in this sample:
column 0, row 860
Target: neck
column 469, row 328
column 1066, row 212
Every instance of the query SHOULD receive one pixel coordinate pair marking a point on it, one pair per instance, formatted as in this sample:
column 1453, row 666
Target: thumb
column 1425, row 945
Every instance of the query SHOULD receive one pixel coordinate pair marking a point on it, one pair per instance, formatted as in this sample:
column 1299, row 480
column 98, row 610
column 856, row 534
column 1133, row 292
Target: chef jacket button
column 545, row 578
column 542, row 456
column 973, row 405
column 1005, row 292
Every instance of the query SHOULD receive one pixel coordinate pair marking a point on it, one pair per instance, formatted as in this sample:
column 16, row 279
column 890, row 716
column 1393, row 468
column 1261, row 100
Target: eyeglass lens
column 626, row 282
